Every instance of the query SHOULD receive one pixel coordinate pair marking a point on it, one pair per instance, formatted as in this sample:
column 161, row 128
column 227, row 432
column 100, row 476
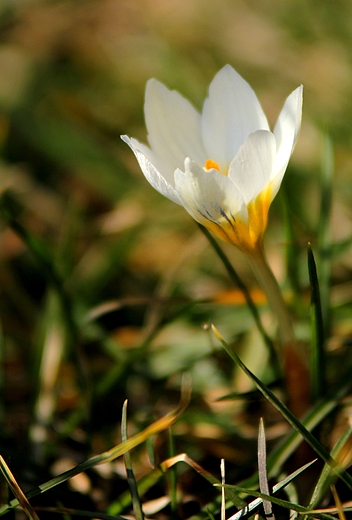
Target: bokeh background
column 141, row 277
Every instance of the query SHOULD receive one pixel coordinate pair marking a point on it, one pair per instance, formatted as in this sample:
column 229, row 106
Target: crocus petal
column 251, row 169
column 152, row 175
column 286, row 132
column 231, row 112
column 158, row 163
column 214, row 201
column 173, row 125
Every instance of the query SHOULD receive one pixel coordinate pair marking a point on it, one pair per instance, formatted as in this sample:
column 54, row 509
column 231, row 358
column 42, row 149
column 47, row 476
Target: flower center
column 210, row 164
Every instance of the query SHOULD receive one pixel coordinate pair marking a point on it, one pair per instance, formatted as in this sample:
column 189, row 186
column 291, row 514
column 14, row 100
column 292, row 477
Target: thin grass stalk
column 2, row 374
column 292, row 249
column 324, row 231
column 137, row 505
column 172, row 477
column 317, row 353
column 17, row 491
column 223, row 495
column 292, row 495
column 338, row 503
column 327, row 477
column 262, row 471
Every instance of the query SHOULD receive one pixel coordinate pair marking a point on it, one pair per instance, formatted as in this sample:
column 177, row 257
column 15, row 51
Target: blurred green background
column 140, row 277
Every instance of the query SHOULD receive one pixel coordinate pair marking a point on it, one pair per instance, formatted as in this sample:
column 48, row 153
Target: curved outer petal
column 156, row 161
column 173, row 125
column 251, row 169
column 286, row 132
column 214, row 201
column 152, row 175
column 230, row 113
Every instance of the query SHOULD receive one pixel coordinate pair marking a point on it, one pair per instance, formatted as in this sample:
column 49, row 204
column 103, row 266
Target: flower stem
column 294, row 364
column 268, row 282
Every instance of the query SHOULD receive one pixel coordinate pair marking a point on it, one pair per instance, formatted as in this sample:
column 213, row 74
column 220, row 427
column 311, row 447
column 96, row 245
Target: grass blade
column 137, row 506
column 324, row 235
column 341, row 450
column 338, row 503
column 223, row 482
column 288, row 415
column 172, row 477
column 317, row 329
column 292, row 248
column 263, row 475
column 17, row 491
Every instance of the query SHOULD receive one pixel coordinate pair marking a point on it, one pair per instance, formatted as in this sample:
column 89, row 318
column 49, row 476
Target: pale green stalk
column 294, row 364
column 271, row 288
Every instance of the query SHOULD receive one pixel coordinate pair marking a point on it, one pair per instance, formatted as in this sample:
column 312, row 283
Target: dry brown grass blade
column 183, row 457
column 17, row 491
column 331, row 510
column 338, row 503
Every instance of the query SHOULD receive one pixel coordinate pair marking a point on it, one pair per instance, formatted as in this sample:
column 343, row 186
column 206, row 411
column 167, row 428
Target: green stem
column 295, row 367
column 250, row 303
column 273, row 293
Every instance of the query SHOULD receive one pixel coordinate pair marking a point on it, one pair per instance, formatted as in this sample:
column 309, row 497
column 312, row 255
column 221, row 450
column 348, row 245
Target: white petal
column 286, row 132
column 163, row 167
column 208, row 196
column 152, row 175
column 173, row 125
column 231, row 112
column 251, row 169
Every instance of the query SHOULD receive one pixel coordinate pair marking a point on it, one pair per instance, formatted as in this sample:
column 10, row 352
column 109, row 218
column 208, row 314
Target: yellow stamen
column 210, row 164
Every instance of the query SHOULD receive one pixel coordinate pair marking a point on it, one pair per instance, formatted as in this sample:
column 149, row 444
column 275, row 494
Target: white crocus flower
column 224, row 166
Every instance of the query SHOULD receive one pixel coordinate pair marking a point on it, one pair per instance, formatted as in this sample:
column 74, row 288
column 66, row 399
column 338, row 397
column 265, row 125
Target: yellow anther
column 210, row 164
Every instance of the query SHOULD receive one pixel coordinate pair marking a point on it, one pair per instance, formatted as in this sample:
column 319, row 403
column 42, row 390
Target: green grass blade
column 292, row 248
column 288, row 415
column 324, row 234
column 327, row 477
column 144, row 484
column 172, row 474
column 317, row 330
column 262, row 471
column 17, row 491
column 137, row 506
